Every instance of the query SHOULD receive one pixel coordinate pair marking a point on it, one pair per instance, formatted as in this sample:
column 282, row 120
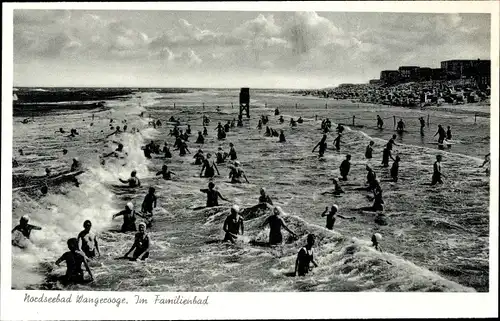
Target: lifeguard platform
column 245, row 101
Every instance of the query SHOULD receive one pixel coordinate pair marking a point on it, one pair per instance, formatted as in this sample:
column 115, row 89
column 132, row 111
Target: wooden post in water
column 326, row 105
column 265, row 105
column 232, row 106
column 394, row 121
column 203, row 105
column 475, row 118
column 295, row 105
column 353, row 122
column 428, row 120
column 174, row 105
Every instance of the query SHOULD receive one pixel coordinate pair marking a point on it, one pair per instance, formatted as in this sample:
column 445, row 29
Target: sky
column 219, row 49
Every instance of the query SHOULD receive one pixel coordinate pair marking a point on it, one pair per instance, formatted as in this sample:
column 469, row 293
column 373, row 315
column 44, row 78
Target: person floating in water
column 232, row 152
column 24, row 227
column 380, row 122
column 322, row 146
column 369, row 150
column 237, row 173
column 282, row 137
column 436, row 176
column 442, row 134
column 213, row 195
column 233, row 224
column 74, row 260
column 422, row 125
column 76, row 165
column 148, row 205
column 276, row 222
column 376, row 238
column 208, row 166
column 401, row 126
column 395, row 169
column 305, row 257
column 264, row 198
column 345, row 167
column 199, row 157
column 87, row 241
column 220, row 156
column 300, row 120
column 141, row 246
column 337, row 142
column 166, row 174
column 133, row 181
column 200, row 139
column 128, row 218
column 448, row 133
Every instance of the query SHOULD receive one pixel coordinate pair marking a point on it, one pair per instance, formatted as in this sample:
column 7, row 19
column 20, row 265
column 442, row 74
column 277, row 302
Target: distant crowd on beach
column 413, row 94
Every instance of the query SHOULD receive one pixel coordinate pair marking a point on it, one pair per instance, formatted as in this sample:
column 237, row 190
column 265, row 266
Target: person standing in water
column 148, row 205
column 133, row 181
column 369, row 150
column 386, row 154
column 276, row 222
column 232, row 152
column 233, row 224
column 237, row 173
column 24, row 227
column 282, row 137
column 436, row 176
column 213, row 195
column 322, row 146
column 401, row 126
column 371, row 178
column 167, row 175
column 337, row 142
column 87, row 241
column 199, row 157
column 345, row 167
column 330, row 216
column 392, row 142
column 442, row 134
column 376, row 238
column 128, row 218
column 141, row 246
column 395, row 169
column 305, row 257
column 200, row 139
column 74, row 260
column 264, row 198
column 208, row 166
column 220, row 156
column 422, row 125
column 76, row 166
column 380, row 122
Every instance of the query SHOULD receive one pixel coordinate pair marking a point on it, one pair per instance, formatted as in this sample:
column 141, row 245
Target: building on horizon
column 478, row 69
column 409, row 73
column 389, row 77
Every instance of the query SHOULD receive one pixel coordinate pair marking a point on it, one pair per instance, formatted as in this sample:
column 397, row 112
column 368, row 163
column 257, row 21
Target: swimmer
column 21, row 153
column 422, row 125
column 448, row 133
column 240, row 122
column 282, row 137
column 117, row 131
column 486, row 161
column 282, row 120
column 371, row 178
column 133, row 181
column 208, row 166
column 233, row 122
column 376, row 238
column 212, row 195
column 141, row 245
column 87, row 241
column 264, row 198
column 300, row 120
column 232, row 152
column 128, row 218
column 117, row 152
column 219, row 127
column 61, row 130
column 322, row 146
column 337, row 142
column 436, row 176
column 65, row 151
column 24, row 227
column 227, row 126
column 188, row 130
column 337, row 189
column 276, row 112
column 293, row 123
column 233, row 224
column 166, row 151
column 200, row 139
column 276, row 222
column 386, row 154
column 149, row 202
column 442, row 134
column 76, row 166
column 167, row 175
column 380, row 122
column 400, row 126
column 369, row 150
column 330, row 216
column 259, row 125
column 205, row 131
column 220, row 156
column 345, row 167
column 47, row 172
column 305, row 257
column 236, row 173
column 395, row 169
column 199, row 157
column 391, row 142
column 183, row 148
column 74, row 259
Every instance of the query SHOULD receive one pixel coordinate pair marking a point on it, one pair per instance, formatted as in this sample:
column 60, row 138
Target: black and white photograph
column 274, row 150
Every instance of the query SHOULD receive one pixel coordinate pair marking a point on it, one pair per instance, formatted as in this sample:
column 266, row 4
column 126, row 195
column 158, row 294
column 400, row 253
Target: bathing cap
column 130, row 205
column 25, row 218
column 335, row 206
column 75, row 159
column 143, row 224
column 237, row 163
column 235, row 208
column 278, row 210
column 377, row 236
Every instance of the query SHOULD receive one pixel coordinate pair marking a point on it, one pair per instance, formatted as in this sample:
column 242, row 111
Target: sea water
column 436, row 238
